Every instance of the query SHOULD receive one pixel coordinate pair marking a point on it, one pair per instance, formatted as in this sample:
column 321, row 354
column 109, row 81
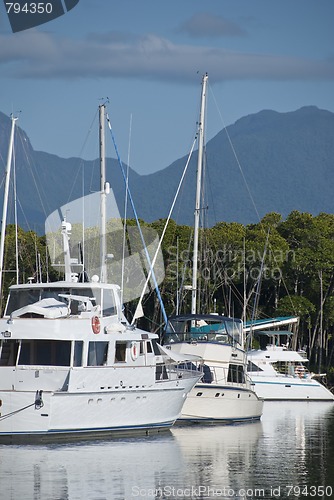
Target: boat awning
column 274, row 332
column 178, row 358
column 262, row 324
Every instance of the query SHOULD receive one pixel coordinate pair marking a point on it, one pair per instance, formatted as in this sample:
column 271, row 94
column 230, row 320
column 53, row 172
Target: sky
column 148, row 57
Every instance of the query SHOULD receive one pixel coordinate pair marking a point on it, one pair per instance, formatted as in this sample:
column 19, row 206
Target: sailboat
column 71, row 365
column 225, row 393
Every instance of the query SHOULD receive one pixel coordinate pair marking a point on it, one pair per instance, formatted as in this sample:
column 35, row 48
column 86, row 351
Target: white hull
column 225, row 404
column 294, row 389
column 67, row 414
column 278, row 373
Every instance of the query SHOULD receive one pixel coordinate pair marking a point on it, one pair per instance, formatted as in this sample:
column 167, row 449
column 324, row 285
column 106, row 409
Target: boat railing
column 197, row 337
column 234, row 376
column 174, row 371
column 292, row 369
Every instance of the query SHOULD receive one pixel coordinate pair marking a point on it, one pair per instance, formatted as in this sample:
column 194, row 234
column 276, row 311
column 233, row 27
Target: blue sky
column 148, row 57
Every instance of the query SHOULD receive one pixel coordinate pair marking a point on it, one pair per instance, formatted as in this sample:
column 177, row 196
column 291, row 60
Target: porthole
column 199, row 394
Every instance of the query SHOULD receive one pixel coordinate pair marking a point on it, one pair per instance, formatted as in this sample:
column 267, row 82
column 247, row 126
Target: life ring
column 96, row 326
column 134, row 350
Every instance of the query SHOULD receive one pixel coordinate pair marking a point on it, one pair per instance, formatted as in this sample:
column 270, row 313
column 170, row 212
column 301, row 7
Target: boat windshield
column 23, row 297
column 190, row 329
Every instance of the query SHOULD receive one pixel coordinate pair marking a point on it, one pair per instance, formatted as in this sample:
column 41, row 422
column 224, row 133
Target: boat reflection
column 293, row 444
column 218, row 457
column 116, row 469
column 296, row 444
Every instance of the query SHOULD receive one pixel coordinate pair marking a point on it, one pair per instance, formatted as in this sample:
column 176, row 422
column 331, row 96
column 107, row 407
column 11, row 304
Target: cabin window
column 97, row 353
column 120, row 352
column 161, row 372
column 45, row 352
column 109, row 307
column 77, row 354
column 252, row 367
column 21, row 298
column 8, row 352
column 234, row 330
column 236, row 374
column 81, row 292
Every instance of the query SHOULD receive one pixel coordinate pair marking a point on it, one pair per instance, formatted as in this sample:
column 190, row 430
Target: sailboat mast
column 198, row 193
column 5, row 198
column 103, row 189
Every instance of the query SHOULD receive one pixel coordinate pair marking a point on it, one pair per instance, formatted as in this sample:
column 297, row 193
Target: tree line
column 272, row 268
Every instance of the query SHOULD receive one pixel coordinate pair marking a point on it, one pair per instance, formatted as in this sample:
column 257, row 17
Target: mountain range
column 264, row 162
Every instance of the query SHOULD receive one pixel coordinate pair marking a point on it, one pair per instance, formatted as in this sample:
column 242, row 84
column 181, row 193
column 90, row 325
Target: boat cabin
column 204, row 328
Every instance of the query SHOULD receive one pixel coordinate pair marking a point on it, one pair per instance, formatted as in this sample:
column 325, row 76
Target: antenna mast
column 5, row 198
column 198, row 193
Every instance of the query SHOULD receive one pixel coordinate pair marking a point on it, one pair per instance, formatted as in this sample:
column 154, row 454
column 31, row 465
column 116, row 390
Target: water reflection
column 218, row 457
column 292, row 445
column 116, row 470
column 296, row 448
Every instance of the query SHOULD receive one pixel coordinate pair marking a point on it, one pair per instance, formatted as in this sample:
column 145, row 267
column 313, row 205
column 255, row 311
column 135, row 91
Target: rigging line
column 185, row 266
column 257, row 291
column 34, row 175
column 167, row 221
column 236, row 157
column 125, row 211
column 81, row 152
column 245, row 181
column 137, row 221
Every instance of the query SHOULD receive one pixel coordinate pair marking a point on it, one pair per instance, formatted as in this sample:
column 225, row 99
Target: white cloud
column 40, row 55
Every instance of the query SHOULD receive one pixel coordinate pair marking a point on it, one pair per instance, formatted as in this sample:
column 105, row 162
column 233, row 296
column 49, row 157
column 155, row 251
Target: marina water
column 289, row 454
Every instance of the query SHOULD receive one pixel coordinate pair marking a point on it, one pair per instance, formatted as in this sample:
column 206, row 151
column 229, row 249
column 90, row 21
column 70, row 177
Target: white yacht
column 278, row 373
column 224, row 394
column 72, row 365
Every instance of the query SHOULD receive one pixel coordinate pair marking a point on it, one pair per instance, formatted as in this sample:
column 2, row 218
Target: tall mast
column 5, row 198
column 198, row 192
column 104, row 190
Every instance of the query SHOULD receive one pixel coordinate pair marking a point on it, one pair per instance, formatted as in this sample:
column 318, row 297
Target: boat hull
column 67, row 415
column 290, row 388
column 221, row 403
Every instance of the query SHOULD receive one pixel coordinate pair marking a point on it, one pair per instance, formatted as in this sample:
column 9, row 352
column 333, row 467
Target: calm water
column 288, row 455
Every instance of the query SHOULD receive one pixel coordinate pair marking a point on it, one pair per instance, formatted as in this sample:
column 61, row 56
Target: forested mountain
column 279, row 162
